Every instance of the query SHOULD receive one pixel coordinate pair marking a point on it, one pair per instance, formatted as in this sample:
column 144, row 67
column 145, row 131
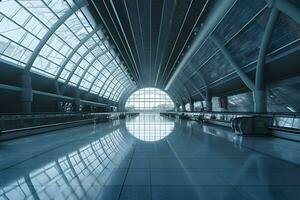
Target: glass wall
column 149, row 99
column 57, row 40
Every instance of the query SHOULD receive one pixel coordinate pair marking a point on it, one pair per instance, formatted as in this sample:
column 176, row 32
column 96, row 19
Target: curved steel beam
column 121, row 93
column 287, row 8
column 83, row 57
column 126, row 93
column 132, row 32
column 124, row 34
column 120, row 90
column 98, row 74
column 218, row 11
column 177, row 37
column 244, row 77
column 114, row 88
column 110, row 83
column 51, row 31
column 185, row 90
column 181, row 99
column 86, row 38
column 175, row 97
column 90, row 65
column 107, row 78
column 100, row 15
column 183, row 47
column 193, row 85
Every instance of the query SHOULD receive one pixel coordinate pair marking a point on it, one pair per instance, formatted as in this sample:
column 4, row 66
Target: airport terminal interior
column 150, row 99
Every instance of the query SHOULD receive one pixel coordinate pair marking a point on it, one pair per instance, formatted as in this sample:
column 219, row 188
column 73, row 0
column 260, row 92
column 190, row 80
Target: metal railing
column 280, row 120
column 27, row 121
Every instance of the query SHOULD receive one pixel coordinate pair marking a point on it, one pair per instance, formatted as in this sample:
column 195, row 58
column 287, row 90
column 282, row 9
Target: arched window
column 149, row 99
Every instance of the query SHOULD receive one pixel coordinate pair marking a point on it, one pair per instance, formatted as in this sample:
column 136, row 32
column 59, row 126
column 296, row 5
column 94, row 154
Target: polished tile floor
column 149, row 157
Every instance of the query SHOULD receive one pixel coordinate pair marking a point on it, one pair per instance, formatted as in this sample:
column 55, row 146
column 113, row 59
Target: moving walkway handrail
column 269, row 114
column 9, row 116
column 23, row 122
column 281, row 120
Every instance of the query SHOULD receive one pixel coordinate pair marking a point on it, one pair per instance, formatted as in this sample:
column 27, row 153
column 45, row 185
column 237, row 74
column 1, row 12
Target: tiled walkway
column 186, row 161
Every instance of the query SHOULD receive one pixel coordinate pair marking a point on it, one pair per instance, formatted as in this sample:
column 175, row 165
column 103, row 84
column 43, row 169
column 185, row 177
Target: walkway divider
column 285, row 125
column 15, row 126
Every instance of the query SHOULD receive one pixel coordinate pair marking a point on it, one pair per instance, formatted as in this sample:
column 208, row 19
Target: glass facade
column 149, row 99
column 74, row 52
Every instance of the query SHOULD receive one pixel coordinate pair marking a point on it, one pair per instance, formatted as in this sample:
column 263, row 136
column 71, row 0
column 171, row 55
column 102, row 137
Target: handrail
column 21, row 122
column 244, row 113
column 279, row 119
column 59, row 114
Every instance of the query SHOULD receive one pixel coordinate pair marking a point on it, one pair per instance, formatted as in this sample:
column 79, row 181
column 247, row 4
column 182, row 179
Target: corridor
column 148, row 157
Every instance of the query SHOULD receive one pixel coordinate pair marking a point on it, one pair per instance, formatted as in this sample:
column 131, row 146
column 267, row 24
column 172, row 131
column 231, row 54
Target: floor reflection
column 150, row 127
column 106, row 162
column 75, row 175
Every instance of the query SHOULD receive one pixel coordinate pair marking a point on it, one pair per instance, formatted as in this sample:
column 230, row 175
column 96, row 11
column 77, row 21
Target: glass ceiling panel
column 286, row 32
column 122, row 90
column 241, row 13
column 24, row 23
column 243, row 49
column 216, row 68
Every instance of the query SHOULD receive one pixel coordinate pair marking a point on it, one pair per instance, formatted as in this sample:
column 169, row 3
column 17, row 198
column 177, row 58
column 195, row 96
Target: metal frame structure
column 217, row 13
column 175, row 84
column 258, row 86
column 51, row 31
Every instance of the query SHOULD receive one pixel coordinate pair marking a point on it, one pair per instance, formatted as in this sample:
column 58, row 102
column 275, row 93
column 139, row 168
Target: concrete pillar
column 260, row 101
column 177, row 108
column 183, row 107
column 77, row 102
column 259, row 94
column 192, row 106
column 208, row 105
column 26, row 94
column 208, row 102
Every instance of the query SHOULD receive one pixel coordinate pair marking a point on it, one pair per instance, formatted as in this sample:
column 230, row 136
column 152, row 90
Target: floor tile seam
column 126, row 174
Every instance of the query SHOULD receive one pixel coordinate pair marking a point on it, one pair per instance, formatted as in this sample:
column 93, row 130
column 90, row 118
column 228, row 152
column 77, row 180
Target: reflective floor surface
column 173, row 159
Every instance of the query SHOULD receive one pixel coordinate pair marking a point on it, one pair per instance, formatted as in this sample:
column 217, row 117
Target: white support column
column 259, row 95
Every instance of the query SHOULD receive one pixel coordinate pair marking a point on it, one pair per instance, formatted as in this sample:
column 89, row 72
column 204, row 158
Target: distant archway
column 149, row 99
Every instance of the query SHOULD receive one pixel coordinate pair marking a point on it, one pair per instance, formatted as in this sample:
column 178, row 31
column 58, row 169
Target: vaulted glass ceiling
column 241, row 31
column 54, row 38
